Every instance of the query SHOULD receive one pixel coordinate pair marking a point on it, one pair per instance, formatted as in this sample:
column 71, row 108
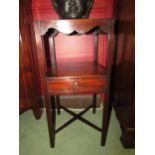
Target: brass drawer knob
column 76, row 84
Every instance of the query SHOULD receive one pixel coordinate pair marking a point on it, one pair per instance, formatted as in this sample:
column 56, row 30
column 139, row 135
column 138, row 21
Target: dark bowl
column 73, row 9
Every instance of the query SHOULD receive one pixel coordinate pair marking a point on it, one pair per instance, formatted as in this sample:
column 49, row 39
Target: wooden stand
column 74, row 78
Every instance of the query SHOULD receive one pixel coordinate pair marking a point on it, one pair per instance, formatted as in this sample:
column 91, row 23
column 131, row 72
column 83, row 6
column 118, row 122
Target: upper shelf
column 80, row 26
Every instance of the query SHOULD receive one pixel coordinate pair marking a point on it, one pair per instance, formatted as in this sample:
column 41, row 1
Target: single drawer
column 71, row 85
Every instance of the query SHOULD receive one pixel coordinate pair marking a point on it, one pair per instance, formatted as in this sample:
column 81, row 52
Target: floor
column 76, row 139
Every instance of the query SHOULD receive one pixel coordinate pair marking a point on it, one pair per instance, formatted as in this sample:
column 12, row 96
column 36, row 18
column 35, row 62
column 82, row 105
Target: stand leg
column 94, row 103
column 58, row 104
column 50, row 112
column 53, row 121
column 105, row 119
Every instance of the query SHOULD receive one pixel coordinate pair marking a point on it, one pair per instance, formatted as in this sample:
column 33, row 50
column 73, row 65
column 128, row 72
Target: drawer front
column 76, row 86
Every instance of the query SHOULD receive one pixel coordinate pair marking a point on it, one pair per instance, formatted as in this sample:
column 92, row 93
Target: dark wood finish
column 70, row 78
column 94, row 103
column 76, row 69
column 123, row 81
column 43, row 10
column 28, row 98
column 80, row 26
column 107, row 100
column 96, row 47
column 58, row 104
column 76, row 85
column 123, row 90
column 76, row 116
column 24, row 99
column 75, row 78
column 53, row 118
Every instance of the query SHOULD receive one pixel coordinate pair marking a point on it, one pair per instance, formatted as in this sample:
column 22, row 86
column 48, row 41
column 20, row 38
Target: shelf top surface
column 73, row 69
